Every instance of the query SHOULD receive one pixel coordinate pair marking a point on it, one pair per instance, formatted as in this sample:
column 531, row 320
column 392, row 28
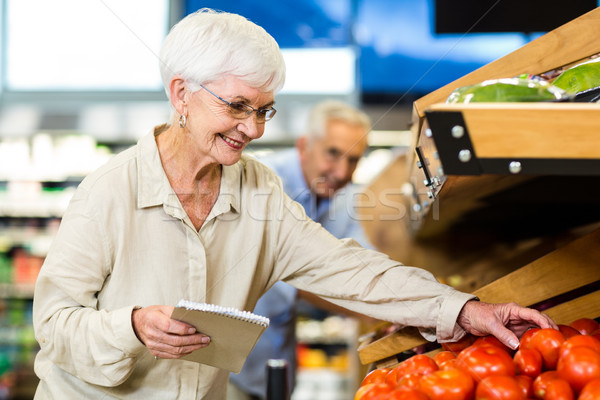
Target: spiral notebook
column 233, row 333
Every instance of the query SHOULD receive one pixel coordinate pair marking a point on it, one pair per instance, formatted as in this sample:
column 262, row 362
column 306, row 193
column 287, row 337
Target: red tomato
column 418, row 364
column 450, row 384
column 578, row 366
column 591, row 391
column 579, row 340
column 448, row 364
column 540, row 383
column 585, row 325
column 484, row 361
column 492, row 340
column 409, row 381
column 559, row 389
column 568, row 331
column 442, row 356
column 371, row 390
column 499, row 387
column 460, row 345
column 375, row 376
column 526, row 337
column 547, row 341
column 528, row 362
column 526, row 384
column 392, row 377
column 403, row 394
column 596, row 334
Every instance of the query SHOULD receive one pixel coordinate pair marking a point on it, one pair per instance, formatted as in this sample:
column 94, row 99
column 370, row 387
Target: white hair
column 329, row 110
column 208, row 45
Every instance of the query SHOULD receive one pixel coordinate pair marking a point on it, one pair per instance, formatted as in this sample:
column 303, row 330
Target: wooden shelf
column 539, row 212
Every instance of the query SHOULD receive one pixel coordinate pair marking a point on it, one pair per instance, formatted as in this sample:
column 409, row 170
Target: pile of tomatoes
column 550, row 364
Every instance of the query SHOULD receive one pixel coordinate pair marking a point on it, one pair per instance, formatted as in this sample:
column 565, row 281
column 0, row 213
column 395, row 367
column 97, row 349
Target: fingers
column 506, row 321
column 521, row 319
column 175, row 346
column 179, row 328
column 507, row 337
column 163, row 336
column 492, row 323
column 550, row 322
column 541, row 320
column 534, row 317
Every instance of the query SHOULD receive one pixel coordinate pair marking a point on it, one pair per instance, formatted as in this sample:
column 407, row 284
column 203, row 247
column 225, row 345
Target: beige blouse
column 125, row 241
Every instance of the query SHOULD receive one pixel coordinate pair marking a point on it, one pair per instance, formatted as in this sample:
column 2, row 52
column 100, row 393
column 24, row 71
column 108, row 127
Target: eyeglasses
column 241, row 110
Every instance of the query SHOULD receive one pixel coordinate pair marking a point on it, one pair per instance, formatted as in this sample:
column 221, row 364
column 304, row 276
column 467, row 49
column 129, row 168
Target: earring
column 182, row 121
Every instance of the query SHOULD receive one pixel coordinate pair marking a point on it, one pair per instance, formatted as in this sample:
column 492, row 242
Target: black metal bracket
column 423, row 163
column 453, row 143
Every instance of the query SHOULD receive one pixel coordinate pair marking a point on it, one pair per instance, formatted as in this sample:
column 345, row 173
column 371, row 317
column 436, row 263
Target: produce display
column 550, row 364
column 555, row 86
column 508, row 90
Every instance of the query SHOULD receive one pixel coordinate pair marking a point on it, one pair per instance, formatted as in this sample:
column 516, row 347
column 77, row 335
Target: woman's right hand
column 164, row 336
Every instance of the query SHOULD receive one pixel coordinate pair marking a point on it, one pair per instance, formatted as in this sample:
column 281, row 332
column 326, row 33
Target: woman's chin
column 230, row 158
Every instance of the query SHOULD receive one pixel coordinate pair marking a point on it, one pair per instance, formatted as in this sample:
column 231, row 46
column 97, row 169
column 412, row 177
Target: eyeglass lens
column 241, row 110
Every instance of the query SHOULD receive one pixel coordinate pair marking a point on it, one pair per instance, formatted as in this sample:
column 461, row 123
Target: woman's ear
column 178, row 91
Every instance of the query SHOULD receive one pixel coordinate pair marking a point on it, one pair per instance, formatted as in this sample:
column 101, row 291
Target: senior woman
column 184, row 214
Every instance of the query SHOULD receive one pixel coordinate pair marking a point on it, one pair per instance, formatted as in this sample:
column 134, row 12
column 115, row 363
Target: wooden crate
column 572, row 272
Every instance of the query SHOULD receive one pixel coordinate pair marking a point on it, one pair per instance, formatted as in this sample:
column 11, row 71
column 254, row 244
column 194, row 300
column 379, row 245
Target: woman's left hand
column 506, row 321
column 164, row 336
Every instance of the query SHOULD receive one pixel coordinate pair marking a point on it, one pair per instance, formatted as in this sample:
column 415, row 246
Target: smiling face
column 329, row 162
column 215, row 134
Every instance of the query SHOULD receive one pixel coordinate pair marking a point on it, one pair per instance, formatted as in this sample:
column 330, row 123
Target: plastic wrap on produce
column 581, row 77
column 508, row 90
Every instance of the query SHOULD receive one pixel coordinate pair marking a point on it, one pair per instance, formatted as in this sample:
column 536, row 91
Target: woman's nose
column 252, row 127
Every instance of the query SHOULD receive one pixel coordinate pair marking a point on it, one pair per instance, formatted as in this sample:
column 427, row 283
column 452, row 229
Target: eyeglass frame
column 248, row 107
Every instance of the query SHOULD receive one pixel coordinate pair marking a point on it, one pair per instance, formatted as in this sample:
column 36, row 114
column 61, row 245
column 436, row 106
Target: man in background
column 316, row 174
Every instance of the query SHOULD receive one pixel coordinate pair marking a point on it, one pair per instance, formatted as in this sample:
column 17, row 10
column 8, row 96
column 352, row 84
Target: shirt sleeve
column 98, row 346
column 363, row 280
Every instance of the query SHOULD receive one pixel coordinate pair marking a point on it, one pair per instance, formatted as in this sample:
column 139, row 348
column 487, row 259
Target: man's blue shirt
column 339, row 217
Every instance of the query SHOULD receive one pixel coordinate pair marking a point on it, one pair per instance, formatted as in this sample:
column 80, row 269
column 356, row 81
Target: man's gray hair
column 329, row 110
